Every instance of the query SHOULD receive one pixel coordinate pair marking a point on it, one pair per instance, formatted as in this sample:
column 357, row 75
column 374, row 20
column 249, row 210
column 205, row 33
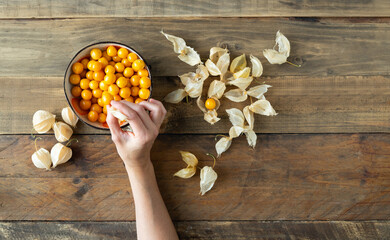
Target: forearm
column 152, row 218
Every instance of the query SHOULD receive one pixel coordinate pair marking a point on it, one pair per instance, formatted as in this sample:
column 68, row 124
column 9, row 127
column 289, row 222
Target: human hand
column 134, row 147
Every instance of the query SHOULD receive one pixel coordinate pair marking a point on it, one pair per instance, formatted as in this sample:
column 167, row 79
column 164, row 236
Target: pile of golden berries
column 111, row 74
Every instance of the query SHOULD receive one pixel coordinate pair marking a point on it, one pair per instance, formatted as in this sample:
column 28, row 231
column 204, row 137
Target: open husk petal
column 241, row 83
column 200, row 104
column 194, row 89
column 251, row 137
column 244, row 73
column 207, row 179
column 212, row 68
column 258, row 91
column 222, row 145
column 283, row 44
column 249, row 116
column 235, row 131
column 257, row 67
column 187, row 172
column 263, row 107
column 216, row 53
column 216, row 89
column 190, row 56
column 186, row 54
column 189, row 158
column 236, row 95
column 236, row 117
column 274, row 57
column 223, row 63
column 187, row 78
column 211, row 116
column 175, row 96
column 178, row 43
column 238, row 64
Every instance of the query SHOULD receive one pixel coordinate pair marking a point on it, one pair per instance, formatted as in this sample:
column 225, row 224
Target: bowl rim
column 108, row 43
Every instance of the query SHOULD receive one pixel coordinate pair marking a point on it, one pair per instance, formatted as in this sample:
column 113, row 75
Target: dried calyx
column 43, row 121
column 69, row 116
column 191, row 162
column 62, row 131
column 41, row 158
column 60, row 154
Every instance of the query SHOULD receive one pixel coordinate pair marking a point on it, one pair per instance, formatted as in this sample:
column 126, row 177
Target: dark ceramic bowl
column 74, row 102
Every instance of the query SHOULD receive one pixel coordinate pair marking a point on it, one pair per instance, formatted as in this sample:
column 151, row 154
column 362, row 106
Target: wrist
column 143, row 166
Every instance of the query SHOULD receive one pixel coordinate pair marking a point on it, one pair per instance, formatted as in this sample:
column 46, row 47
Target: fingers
column 143, row 115
column 113, row 124
column 133, row 118
column 157, row 111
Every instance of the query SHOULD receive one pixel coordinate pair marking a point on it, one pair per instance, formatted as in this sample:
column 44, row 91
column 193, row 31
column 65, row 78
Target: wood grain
column 237, row 230
column 324, row 46
column 286, row 177
column 177, row 8
column 305, row 105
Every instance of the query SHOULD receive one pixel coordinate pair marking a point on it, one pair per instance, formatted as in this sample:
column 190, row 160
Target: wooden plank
column 286, row 177
column 237, row 230
column 305, row 105
column 324, row 46
column 176, row 8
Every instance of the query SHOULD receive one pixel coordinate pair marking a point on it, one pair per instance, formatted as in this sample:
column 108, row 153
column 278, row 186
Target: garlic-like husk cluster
column 43, row 121
column 42, row 159
column 60, row 154
column 62, row 131
column 69, row 116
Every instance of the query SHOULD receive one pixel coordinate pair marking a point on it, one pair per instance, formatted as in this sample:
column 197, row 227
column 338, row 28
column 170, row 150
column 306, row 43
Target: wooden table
column 320, row 170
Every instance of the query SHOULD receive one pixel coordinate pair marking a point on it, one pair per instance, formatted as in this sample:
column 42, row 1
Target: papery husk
column 211, row 117
column 216, row 53
column 258, row 91
column 257, row 67
column 118, row 114
column 175, row 96
column 241, row 83
column 235, row 131
column 236, row 117
column 249, row 116
column 274, row 57
column 222, row 145
column 262, row 107
column 216, row 89
column 69, row 116
column 194, row 89
column 207, row 179
column 238, row 64
column 251, row 137
column 62, row 131
column 43, row 121
column 41, row 159
column 191, row 162
column 189, row 158
column 280, row 56
column 220, row 66
column 244, row 73
column 187, row 172
column 60, row 154
column 236, row 95
column 187, row 54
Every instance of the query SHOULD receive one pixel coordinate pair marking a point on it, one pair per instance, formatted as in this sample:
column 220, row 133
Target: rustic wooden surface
column 320, row 169
column 344, row 104
column 324, row 46
column 323, row 176
column 176, row 8
column 235, row 230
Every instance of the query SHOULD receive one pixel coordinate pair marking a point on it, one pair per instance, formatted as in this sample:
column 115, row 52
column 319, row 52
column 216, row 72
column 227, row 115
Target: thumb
column 115, row 129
